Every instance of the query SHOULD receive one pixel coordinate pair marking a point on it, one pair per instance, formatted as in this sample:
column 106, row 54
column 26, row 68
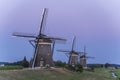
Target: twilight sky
column 94, row 22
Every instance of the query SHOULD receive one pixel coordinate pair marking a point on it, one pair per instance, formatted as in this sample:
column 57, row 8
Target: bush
column 76, row 68
column 70, row 67
column 60, row 64
column 92, row 69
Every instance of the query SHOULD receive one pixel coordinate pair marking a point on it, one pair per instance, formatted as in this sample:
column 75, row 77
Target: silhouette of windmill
column 83, row 58
column 72, row 55
column 43, row 44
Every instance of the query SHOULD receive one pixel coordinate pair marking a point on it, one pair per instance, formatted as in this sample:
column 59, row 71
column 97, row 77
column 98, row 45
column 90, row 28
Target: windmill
column 83, row 58
column 43, row 44
column 72, row 55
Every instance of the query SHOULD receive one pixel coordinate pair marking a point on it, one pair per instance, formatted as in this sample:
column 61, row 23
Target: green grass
column 10, row 67
column 117, row 72
column 55, row 74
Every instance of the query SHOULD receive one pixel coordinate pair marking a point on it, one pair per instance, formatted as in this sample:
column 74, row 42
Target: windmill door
column 41, row 63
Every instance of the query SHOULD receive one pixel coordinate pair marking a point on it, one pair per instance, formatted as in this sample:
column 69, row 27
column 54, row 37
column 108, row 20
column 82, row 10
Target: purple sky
column 94, row 22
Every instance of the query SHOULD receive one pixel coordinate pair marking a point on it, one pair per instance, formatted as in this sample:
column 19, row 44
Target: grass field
column 11, row 67
column 55, row 74
column 117, row 72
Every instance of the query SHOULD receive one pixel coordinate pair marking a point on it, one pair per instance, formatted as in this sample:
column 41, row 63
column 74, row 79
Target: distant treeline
column 15, row 63
column 23, row 63
column 106, row 65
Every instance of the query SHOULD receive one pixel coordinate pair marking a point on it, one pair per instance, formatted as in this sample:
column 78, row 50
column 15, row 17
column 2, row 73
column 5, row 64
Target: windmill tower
column 83, row 58
column 72, row 55
column 43, row 44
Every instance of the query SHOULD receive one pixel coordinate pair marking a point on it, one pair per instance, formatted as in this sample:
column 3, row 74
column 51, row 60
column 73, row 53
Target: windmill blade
column 73, row 43
column 63, row 51
column 31, row 42
column 17, row 34
column 82, row 53
column 45, row 10
column 90, row 57
column 84, row 49
column 67, row 54
column 53, row 38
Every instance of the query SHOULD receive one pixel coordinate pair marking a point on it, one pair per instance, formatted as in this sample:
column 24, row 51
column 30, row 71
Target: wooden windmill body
column 44, row 55
column 44, row 46
column 83, row 58
column 83, row 61
column 72, row 55
column 73, row 58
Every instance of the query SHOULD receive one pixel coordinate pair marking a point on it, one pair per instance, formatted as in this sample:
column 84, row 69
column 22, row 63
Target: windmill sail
column 43, row 18
column 28, row 35
column 73, row 43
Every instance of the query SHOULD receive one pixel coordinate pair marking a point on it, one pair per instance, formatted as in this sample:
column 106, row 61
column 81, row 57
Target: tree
column 107, row 65
column 25, row 63
column 60, row 64
column 76, row 68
